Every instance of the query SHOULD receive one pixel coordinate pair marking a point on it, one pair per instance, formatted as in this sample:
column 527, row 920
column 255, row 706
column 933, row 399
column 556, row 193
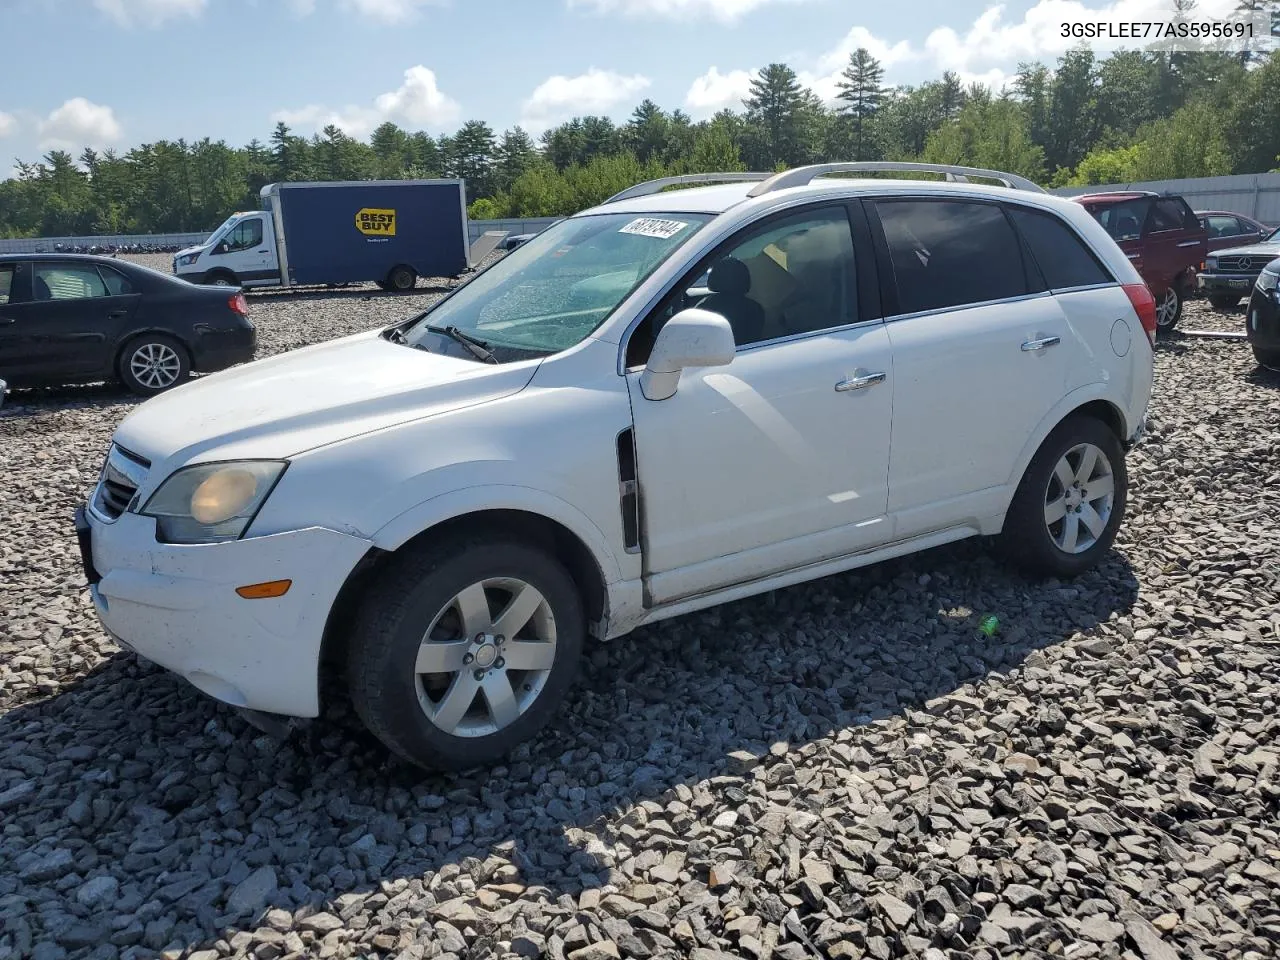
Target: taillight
column 1144, row 305
column 239, row 304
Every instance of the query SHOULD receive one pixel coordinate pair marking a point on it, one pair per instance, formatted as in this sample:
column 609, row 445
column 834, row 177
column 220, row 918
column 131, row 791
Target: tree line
column 1133, row 115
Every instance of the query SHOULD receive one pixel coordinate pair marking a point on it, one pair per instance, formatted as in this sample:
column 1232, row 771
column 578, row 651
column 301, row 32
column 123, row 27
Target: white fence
column 1255, row 195
column 179, row 240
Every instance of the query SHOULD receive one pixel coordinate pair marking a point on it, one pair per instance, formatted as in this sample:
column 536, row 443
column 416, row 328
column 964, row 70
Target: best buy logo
column 376, row 223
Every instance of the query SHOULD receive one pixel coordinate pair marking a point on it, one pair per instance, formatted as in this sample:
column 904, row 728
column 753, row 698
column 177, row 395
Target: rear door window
column 6, row 282
column 1167, row 214
column 116, row 283
column 1122, row 220
column 1061, row 255
column 949, row 253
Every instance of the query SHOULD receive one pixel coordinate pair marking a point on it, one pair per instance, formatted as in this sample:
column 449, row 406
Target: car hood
column 278, row 407
column 1252, row 250
column 198, row 248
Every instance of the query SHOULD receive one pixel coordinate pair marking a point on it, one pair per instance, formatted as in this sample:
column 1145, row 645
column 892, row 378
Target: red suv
column 1164, row 239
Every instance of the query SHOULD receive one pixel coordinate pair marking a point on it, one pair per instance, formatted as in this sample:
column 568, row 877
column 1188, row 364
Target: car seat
column 42, row 290
column 730, row 282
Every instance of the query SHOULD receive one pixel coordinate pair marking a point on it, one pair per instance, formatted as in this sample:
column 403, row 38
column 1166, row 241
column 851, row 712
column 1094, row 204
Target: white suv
column 673, row 400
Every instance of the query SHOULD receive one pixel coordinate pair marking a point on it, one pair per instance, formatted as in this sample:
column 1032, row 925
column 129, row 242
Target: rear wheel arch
column 500, row 524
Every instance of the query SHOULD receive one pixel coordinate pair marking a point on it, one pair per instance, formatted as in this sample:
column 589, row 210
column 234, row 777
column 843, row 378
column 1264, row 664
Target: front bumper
column 176, row 605
column 1240, row 283
column 1262, row 319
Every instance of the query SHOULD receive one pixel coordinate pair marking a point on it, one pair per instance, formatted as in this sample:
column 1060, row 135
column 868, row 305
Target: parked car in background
column 78, row 319
column 1262, row 319
column 1226, row 229
column 1163, row 239
column 769, row 380
column 1230, row 274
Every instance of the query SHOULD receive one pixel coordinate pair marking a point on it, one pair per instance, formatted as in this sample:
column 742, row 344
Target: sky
column 117, row 73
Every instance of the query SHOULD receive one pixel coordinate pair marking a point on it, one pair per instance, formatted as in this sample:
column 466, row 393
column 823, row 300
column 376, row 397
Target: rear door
column 980, row 357
column 1173, row 243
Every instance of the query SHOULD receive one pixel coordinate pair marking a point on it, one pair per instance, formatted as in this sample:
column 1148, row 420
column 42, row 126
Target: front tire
column 464, row 650
column 1224, row 301
column 1070, row 503
column 221, row 278
column 1270, row 359
column 152, row 363
column 1169, row 309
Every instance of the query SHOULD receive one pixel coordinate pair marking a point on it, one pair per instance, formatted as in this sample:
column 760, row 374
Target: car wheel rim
column 155, row 365
column 486, row 657
column 1080, row 497
column 1168, row 309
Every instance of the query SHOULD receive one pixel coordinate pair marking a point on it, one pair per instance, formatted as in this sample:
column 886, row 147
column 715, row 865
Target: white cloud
column 385, row 11
column 560, row 98
column 715, row 91
column 8, row 124
column 417, row 103
column 149, row 13
column 725, row 11
column 79, row 123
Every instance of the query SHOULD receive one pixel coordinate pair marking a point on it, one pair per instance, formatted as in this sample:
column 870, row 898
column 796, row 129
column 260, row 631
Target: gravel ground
column 842, row 769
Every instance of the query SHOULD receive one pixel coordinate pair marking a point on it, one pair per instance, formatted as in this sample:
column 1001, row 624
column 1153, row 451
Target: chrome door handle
column 1031, row 346
column 1189, row 243
column 859, row 383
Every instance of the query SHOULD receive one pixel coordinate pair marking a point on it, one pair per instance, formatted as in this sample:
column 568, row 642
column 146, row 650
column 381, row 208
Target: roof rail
column 657, row 186
column 801, row 176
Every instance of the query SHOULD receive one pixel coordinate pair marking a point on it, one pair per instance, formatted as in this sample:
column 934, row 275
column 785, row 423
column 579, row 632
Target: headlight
column 213, row 501
column 1268, row 280
column 187, row 259
column 1211, row 263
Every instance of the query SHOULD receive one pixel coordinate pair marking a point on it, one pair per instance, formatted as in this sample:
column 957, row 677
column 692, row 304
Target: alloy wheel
column 155, row 365
column 486, row 657
column 1080, row 497
column 1167, row 310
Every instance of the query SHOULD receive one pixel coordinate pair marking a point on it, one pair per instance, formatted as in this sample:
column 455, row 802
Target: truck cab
column 242, row 252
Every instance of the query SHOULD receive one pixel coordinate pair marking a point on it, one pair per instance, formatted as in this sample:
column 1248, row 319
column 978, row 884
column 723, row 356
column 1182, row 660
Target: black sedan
column 81, row 319
column 1262, row 319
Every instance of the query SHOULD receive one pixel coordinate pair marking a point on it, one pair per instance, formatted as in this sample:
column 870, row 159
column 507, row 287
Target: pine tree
column 862, row 90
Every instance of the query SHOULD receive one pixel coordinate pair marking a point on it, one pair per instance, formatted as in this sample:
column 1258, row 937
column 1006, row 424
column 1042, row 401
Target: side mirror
column 692, row 338
column 221, row 247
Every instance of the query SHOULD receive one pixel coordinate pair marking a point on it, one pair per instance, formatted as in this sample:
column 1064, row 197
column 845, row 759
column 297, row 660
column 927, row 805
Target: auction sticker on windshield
column 652, row 227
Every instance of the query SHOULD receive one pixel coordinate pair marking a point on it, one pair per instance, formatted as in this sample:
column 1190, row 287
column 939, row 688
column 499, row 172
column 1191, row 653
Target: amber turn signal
column 265, row 591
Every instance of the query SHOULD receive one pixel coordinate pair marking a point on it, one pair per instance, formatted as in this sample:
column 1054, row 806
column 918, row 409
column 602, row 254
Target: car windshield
column 1273, row 237
column 554, row 291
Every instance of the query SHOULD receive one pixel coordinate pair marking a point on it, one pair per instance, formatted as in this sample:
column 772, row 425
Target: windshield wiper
column 477, row 348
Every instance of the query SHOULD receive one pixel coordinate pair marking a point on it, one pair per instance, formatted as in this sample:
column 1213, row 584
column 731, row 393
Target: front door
column 249, row 251
column 779, row 459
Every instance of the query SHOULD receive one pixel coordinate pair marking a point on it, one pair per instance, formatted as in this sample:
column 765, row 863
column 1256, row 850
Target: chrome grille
column 1243, row 263
column 122, row 474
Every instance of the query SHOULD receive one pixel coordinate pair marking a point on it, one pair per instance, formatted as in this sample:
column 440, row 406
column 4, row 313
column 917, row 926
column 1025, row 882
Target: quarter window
column 1061, row 256
column 67, row 282
column 117, row 285
column 948, row 253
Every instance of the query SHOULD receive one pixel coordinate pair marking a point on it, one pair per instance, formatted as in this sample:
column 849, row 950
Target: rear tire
column 152, row 363
column 1224, row 301
column 464, row 649
column 402, row 278
column 1069, row 505
column 1168, row 309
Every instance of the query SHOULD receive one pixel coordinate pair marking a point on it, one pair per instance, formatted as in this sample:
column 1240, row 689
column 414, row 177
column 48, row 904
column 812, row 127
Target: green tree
column 862, row 92
column 391, row 151
column 514, row 155
column 782, row 113
column 470, row 156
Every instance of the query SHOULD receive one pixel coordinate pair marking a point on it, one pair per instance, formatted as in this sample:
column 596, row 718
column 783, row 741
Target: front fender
column 496, row 496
